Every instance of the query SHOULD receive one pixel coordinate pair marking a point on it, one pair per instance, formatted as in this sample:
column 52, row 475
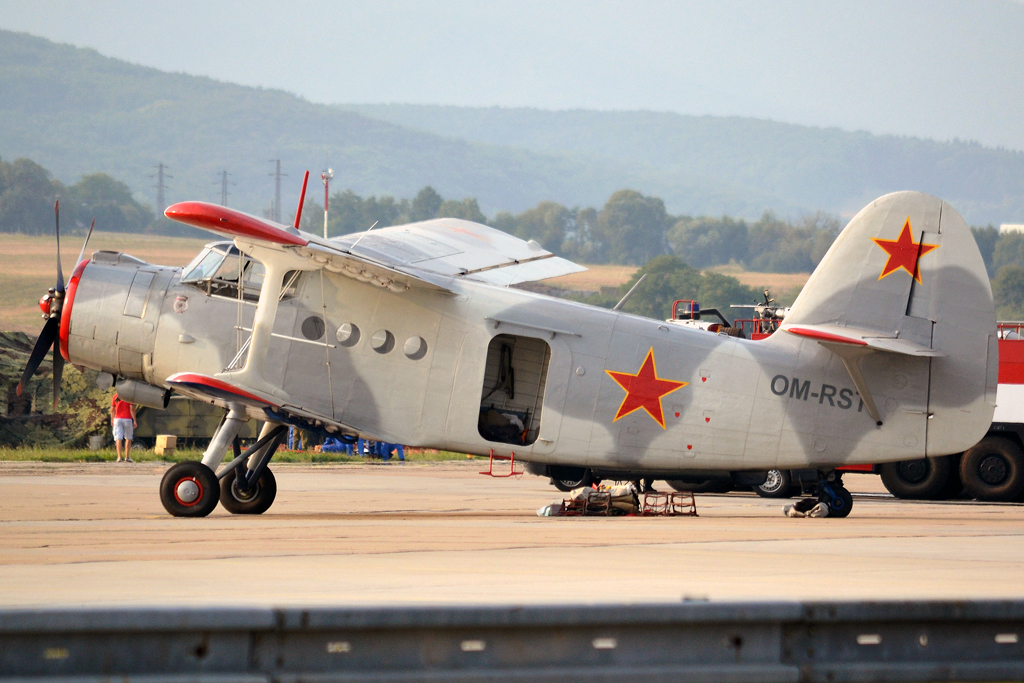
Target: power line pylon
column 277, row 188
column 224, row 175
column 160, row 175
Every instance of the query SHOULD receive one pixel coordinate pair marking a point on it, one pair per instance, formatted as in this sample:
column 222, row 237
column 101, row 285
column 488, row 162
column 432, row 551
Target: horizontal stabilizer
column 870, row 339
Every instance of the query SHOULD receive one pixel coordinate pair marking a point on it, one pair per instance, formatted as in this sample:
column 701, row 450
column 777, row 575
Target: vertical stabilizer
column 907, row 280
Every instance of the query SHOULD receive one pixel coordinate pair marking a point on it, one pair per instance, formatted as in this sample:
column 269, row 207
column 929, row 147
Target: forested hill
column 821, row 168
column 77, row 112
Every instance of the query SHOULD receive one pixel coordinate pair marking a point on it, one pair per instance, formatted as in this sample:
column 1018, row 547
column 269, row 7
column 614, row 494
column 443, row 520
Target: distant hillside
column 830, row 169
column 75, row 112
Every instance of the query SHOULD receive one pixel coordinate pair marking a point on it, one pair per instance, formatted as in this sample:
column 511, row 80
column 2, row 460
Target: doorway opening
column 513, row 391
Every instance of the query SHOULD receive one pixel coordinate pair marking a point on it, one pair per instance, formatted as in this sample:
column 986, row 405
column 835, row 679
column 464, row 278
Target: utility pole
column 160, row 175
column 224, row 187
column 277, row 188
column 326, row 177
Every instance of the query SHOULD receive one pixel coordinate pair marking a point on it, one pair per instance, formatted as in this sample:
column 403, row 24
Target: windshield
column 203, row 266
column 217, row 268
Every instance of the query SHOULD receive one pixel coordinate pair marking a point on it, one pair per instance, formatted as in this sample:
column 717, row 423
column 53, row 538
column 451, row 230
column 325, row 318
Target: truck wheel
column 779, row 484
column 922, row 479
column 993, row 470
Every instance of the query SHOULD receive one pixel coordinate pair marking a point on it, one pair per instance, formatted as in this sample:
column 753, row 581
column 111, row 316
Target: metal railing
column 697, row 641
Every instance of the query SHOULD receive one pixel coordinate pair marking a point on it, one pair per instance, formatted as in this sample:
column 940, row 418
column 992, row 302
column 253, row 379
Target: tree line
column 630, row 228
column 27, row 193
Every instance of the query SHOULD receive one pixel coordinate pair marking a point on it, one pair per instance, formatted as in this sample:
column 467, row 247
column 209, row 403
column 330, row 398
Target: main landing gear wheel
column 189, row 489
column 840, row 503
column 569, row 478
column 778, row 484
column 255, row 500
column 993, row 470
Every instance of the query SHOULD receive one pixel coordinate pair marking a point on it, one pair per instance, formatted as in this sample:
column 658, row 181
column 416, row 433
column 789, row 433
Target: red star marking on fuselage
column 904, row 253
column 644, row 390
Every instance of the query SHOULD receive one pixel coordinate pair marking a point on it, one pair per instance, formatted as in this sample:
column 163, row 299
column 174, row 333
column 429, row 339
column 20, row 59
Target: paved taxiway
column 96, row 534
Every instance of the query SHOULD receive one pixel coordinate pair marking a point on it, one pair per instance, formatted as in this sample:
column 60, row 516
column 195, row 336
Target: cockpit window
column 217, row 270
column 203, row 266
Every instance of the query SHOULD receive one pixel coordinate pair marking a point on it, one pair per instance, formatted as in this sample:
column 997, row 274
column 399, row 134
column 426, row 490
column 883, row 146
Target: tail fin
column 905, row 279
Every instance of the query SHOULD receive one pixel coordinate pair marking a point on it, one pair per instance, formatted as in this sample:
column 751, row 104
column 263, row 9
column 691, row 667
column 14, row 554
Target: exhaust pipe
column 142, row 394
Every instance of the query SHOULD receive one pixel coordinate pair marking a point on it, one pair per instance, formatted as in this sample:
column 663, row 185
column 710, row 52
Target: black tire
column 183, row 481
column 258, row 500
column 954, row 488
column 923, row 479
column 779, row 484
column 707, row 486
column 567, row 479
column 840, row 507
column 993, row 470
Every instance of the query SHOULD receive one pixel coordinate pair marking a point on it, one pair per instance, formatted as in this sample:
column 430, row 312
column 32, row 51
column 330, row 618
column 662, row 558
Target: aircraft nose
column 69, row 300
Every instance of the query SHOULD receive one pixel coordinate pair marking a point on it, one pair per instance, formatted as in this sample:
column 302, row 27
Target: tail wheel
column 923, row 479
column 993, row 470
column 189, row 489
column 778, row 484
column 255, row 500
column 839, row 506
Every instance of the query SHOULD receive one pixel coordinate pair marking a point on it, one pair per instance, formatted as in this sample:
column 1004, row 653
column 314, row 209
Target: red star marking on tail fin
column 904, row 253
column 644, row 390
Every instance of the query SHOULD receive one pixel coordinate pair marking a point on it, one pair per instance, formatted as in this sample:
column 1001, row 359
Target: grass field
column 28, row 267
column 146, row 455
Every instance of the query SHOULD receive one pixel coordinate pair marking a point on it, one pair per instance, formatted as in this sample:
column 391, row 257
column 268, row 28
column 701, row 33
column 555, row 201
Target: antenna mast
column 326, row 176
column 160, row 175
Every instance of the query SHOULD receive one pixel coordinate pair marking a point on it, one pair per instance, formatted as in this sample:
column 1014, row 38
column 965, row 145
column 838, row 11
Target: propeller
column 52, row 304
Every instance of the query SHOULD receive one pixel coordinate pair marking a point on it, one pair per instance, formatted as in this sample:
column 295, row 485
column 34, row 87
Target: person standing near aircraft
column 122, row 420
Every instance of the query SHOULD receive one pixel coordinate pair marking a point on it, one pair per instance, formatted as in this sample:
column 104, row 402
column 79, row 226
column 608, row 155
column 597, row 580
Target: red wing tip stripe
column 221, row 219
column 817, row 335
column 216, row 384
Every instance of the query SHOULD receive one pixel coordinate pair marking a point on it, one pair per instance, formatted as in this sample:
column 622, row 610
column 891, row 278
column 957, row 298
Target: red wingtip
column 225, row 221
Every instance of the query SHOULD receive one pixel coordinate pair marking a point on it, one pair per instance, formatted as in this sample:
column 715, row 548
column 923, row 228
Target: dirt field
column 28, row 267
column 96, row 534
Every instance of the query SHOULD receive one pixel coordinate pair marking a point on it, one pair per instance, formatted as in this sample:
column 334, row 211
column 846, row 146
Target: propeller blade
column 81, row 254
column 43, row 344
column 60, row 271
column 58, row 371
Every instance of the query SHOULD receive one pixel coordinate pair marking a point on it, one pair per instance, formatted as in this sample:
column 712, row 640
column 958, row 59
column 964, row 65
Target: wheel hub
column 913, row 471
column 773, row 482
column 188, row 491
column 243, row 496
column 993, row 470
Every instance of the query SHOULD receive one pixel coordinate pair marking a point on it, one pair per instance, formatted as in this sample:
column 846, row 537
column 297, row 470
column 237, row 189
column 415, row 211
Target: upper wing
column 430, row 253
column 456, row 248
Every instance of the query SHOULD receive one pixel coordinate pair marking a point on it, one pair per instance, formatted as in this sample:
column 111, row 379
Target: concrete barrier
column 763, row 642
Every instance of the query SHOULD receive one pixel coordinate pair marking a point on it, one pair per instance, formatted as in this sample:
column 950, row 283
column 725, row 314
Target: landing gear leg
column 247, row 486
column 833, row 494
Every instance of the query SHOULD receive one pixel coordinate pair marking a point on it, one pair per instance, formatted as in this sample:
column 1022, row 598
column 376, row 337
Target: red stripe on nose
column 65, row 314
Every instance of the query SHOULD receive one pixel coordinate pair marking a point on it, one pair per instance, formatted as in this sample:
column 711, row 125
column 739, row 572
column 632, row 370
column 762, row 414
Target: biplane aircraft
column 414, row 334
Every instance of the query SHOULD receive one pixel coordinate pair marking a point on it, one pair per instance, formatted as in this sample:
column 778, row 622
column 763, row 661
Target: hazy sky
column 929, row 68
